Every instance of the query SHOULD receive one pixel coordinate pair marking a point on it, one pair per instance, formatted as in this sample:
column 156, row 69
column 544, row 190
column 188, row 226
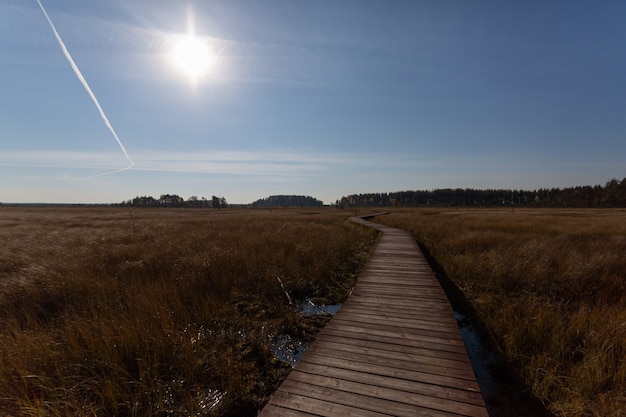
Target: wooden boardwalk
column 394, row 348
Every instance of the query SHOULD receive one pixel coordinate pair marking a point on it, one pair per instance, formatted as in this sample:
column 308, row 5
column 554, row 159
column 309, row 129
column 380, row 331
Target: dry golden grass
column 159, row 312
column 550, row 285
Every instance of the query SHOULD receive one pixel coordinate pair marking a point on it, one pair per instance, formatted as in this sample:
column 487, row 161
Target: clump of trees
column 612, row 194
column 288, row 201
column 173, row 200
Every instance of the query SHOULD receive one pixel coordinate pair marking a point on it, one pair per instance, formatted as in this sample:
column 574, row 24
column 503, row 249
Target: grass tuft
column 159, row 312
column 550, row 285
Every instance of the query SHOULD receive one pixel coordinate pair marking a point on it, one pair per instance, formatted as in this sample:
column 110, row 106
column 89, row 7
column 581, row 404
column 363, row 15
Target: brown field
column 166, row 312
column 160, row 312
column 550, row 286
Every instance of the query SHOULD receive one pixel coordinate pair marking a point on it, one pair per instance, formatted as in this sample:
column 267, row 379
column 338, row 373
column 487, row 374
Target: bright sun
column 193, row 56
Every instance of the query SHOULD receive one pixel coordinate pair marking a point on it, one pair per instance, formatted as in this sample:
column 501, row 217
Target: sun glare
column 193, row 56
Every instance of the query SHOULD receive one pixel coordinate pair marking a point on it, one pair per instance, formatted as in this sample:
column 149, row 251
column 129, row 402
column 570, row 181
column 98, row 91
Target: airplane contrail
column 88, row 89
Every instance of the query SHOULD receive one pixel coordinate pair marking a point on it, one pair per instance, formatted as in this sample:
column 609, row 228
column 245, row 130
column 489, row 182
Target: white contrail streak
column 88, row 89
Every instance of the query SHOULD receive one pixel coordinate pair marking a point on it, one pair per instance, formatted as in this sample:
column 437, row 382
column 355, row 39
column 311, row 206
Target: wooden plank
column 414, row 309
column 393, row 266
column 387, row 282
column 401, row 290
column 421, row 299
column 414, row 329
column 448, row 367
column 415, row 306
column 446, row 345
column 422, row 312
column 408, row 281
column 272, row 410
column 298, row 405
column 400, row 276
column 415, row 401
column 390, row 337
column 366, row 376
column 417, row 323
column 370, row 401
column 401, row 303
column 394, row 290
column 408, row 349
column 400, row 287
column 413, row 314
column 413, row 372
column 393, row 349
column 397, row 343
column 464, row 380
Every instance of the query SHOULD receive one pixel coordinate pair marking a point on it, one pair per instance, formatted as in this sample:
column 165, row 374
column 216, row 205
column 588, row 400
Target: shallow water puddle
column 309, row 308
column 482, row 359
column 290, row 349
column 504, row 396
column 209, row 399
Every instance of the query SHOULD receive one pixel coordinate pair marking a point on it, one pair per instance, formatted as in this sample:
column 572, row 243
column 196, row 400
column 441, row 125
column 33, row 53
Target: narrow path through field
column 394, row 348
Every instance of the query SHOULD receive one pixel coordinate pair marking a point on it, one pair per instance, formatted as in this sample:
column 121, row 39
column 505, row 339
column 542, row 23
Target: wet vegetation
column 172, row 312
column 550, row 287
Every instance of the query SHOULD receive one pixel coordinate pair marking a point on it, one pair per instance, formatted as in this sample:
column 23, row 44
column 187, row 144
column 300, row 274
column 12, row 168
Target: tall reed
column 159, row 312
column 550, row 285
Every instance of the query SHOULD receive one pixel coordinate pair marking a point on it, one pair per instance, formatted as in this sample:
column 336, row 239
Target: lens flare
column 193, row 56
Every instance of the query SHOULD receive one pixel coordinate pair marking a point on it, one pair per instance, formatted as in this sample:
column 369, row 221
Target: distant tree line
column 173, row 200
column 288, row 201
column 612, row 194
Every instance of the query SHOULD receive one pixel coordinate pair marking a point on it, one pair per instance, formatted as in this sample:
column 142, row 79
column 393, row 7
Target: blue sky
column 322, row 98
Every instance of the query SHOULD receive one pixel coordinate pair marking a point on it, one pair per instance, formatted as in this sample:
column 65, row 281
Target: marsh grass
column 159, row 312
column 550, row 286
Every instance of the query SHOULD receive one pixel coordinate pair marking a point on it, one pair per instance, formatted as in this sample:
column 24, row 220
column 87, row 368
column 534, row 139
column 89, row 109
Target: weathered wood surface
column 394, row 348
